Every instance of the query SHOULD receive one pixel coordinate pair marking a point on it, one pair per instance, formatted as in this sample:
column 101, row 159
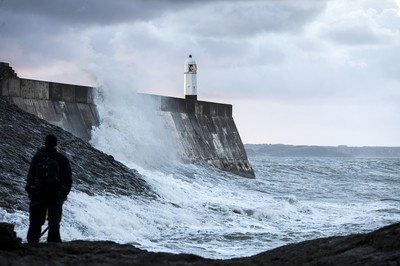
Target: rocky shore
column 381, row 247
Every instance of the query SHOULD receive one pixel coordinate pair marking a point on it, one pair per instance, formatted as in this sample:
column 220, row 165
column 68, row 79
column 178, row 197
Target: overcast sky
column 312, row 72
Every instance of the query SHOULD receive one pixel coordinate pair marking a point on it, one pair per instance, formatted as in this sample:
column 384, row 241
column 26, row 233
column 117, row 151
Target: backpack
column 47, row 173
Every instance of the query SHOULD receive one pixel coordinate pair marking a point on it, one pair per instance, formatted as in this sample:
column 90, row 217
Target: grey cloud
column 94, row 12
column 35, row 42
column 390, row 19
column 89, row 12
column 380, row 5
column 207, row 19
column 371, row 22
column 382, row 63
column 352, row 35
column 249, row 18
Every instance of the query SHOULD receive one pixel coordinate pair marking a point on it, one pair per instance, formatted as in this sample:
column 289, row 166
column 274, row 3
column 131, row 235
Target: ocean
column 204, row 211
column 214, row 214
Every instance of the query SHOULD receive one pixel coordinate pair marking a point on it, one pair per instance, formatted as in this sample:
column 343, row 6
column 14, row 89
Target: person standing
column 48, row 184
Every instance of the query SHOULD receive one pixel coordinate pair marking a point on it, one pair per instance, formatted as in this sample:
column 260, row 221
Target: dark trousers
column 37, row 217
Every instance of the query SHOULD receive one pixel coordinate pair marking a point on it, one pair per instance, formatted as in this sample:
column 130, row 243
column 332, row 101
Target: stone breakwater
column 381, row 247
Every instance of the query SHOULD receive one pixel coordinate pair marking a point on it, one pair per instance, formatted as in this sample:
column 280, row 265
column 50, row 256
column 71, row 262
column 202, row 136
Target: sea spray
column 131, row 128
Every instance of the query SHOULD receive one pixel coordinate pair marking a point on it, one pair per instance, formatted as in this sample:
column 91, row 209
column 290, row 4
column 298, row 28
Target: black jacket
column 64, row 171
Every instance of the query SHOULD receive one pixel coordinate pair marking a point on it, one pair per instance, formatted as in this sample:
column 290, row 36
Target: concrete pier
column 206, row 130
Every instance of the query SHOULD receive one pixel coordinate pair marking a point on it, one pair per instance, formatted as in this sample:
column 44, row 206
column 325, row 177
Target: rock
column 381, row 247
column 8, row 238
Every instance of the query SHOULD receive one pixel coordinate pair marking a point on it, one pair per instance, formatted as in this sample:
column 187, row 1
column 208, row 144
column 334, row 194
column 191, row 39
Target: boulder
column 8, row 238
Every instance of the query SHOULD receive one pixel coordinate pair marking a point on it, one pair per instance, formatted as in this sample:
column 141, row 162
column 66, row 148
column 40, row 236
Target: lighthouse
column 190, row 79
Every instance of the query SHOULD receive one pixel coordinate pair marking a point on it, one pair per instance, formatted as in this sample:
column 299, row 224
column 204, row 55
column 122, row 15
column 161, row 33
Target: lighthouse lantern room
column 190, row 79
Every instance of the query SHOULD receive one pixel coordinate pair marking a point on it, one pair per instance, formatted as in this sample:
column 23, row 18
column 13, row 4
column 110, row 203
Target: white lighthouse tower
column 190, row 78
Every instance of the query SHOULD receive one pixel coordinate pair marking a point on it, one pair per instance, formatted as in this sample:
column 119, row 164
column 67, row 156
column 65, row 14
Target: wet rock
column 381, row 247
column 8, row 238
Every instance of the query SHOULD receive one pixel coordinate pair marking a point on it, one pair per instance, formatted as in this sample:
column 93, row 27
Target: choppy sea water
column 215, row 214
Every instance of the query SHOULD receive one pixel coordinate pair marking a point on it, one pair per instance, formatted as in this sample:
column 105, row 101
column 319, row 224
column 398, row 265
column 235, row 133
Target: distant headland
column 282, row 150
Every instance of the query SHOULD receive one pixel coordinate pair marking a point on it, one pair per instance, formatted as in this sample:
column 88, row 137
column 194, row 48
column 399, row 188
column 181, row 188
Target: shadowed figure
column 48, row 184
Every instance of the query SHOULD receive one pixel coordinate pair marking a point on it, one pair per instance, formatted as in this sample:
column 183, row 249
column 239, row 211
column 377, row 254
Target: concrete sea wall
column 206, row 130
column 68, row 106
